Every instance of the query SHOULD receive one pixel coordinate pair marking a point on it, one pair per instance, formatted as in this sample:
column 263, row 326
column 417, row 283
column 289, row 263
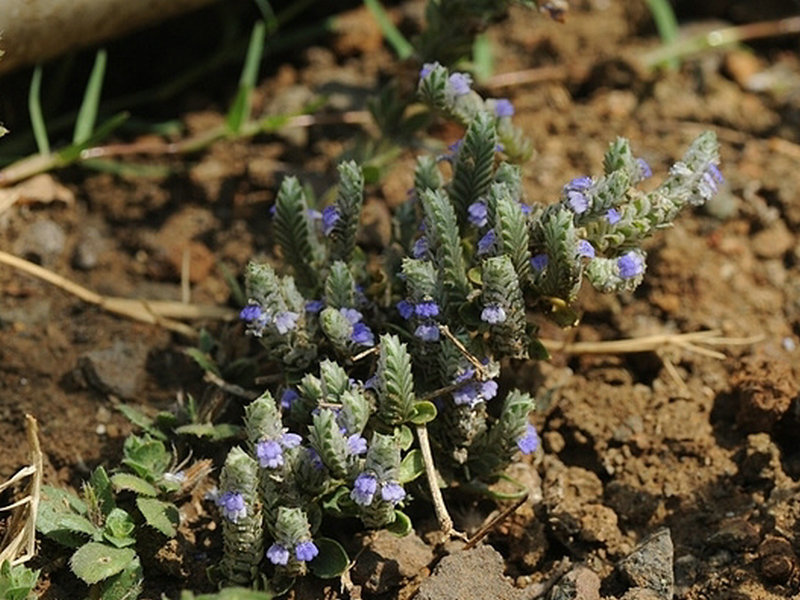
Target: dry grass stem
column 19, row 543
column 652, row 343
column 156, row 312
column 485, row 529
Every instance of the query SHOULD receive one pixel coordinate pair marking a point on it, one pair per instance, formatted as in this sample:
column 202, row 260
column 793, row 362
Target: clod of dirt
column 650, row 565
column 118, row 370
column 641, row 593
column 765, row 388
column 42, row 241
column 778, row 560
column 581, row 583
column 762, row 462
column 773, row 242
column 474, row 573
column 389, row 560
column 572, row 499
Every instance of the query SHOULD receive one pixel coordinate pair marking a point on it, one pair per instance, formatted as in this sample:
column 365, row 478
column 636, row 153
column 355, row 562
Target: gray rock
column 475, row 573
column 42, row 241
column 89, row 249
column 650, row 565
column 641, row 593
column 581, row 583
column 118, row 370
column 389, row 560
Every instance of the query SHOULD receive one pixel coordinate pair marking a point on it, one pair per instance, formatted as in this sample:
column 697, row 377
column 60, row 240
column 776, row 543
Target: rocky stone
column 581, row 583
column 389, row 560
column 42, row 242
column 641, row 593
column 89, row 249
column 474, row 573
column 117, row 370
column 650, row 565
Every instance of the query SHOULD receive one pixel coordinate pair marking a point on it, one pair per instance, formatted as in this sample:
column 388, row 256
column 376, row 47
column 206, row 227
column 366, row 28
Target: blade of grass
column 400, row 44
column 73, row 151
column 35, row 111
column 239, row 111
column 482, row 58
column 87, row 115
column 268, row 14
column 667, row 25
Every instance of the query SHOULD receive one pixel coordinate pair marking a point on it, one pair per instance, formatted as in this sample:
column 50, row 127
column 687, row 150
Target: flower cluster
column 472, row 392
column 425, row 314
column 367, row 485
column 257, row 319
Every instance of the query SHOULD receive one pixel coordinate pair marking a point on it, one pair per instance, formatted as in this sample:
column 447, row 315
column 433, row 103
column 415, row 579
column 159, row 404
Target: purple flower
column 314, row 306
column 270, row 454
column 529, row 442
column 612, row 216
column 466, row 374
column 539, row 262
column 577, row 201
column 526, row 210
column 427, row 333
column 291, row 440
column 489, row 389
column 630, row 265
column 420, row 248
column 285, row 321
column 715, row 173
column 467, row 395
column 503, row 108
column 232, row 505
column 306, row 551
column 499, row 148
column 455, row 146
column 644, row 169
column 393, row 492
column 364, row 488
column 273, row 209
column 585, row 249
column 405, row 308
column 362, row 335
column 351, row 314
column 477, row 213
column 579, row 184
column 314, row 459
column 288, row 396
column 493, row 314
column 330, row 215
column 356, row 444
column 486, row 243
column 278, row 555
column 251, row 312
column 427, row 69
column 459, row 83
column 427, row 309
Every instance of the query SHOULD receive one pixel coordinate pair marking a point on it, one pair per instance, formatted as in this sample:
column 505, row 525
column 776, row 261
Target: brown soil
column 633, row 443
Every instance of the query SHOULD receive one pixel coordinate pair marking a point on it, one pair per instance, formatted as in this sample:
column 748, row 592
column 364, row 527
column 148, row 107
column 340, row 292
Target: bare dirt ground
column 634, row 444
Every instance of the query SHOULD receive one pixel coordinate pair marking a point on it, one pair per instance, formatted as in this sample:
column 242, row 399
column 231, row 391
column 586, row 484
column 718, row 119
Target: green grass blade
column 73, row 151
column 35, row 110
column 666, row 23
column 482, row 57
column 400, row 44
column 87, row 115
column 239, row 111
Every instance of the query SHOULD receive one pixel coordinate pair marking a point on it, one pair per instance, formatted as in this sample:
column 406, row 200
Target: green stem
column 396, row 40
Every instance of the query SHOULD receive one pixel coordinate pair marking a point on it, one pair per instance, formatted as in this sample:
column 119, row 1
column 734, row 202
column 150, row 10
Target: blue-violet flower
column 270, row 454
column 427, row 333
column 427, row 309
column 486, row 243
column 362, row 335
column 630, row 265
column 364, row 488
column 278, row 555
column 306, row 551
column 232, row 505
column 585, row 249
column 503, row 108
column 459, row 83
column 493, row 314
column 529, row 442
column 612, row 216
column 356, row 444
column 405, row 308
column 286, row 321
column 477, row 213
column 393, row 492
column 330, row 215
column 251, row 312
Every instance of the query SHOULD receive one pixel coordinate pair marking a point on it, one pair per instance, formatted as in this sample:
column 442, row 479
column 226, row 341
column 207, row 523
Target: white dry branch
column 19, row 543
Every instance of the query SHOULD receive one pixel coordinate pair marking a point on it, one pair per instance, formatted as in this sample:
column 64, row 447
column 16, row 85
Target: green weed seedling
column 105, row 534
column 17, row 582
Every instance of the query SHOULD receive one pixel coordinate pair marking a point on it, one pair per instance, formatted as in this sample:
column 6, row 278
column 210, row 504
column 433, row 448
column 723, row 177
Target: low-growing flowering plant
column 370, row 350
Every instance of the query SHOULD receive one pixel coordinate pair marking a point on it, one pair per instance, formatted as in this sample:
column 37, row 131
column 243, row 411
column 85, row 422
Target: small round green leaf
column 94, row 562
column 424, row 412
column 331, row 561
column 411, row 467
column 404, row 437
column 401, row 526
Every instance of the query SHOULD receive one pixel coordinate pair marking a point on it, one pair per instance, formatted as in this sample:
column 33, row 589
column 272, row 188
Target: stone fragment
column 650, row 565
column 581, row 583
column 475, row 573
column 389, row 560
column 42, row 242
column 117, row 370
